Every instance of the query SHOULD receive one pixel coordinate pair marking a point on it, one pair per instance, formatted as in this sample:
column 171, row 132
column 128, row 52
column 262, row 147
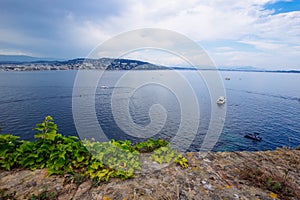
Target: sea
column 154, row 104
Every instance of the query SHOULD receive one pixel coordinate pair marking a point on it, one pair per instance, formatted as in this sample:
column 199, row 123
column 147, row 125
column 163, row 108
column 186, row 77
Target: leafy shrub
column 95, row 160
column 8, row 146
column 121, row 160
column 150, row 145
column 167, row 154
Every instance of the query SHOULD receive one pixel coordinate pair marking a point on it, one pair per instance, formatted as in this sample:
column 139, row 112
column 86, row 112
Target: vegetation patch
column 44, row 196
column 167, row 154
column 275, row 181
column 98, row 161
column 5, row 196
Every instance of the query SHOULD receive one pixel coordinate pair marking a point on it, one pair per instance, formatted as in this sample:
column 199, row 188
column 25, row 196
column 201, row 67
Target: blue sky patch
column 283, row 6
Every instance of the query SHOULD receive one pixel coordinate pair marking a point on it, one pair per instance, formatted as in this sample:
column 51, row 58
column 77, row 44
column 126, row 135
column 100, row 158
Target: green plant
column 149, row 145
column 47, row 129
column 7, row 196
column 8, row 146
column 51, row 150
column 182, row 161
column 44, row 196
column 78, row 178
column 273, row 181
column 273, row 185
column 120, row 159
column 89, row 159
column 167, row 154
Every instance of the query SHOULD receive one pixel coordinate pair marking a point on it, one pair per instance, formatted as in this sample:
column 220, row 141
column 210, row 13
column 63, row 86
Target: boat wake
column 268, row 95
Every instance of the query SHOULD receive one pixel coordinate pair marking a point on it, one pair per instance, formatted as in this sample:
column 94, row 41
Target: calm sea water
column 267, row 103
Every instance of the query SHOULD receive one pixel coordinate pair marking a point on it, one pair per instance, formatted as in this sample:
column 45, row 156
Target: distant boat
column 227, row 78
column 103, row 86
column 253, row 136
column 221, row 100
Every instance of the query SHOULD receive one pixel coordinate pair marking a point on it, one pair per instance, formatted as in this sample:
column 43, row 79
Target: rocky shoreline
column 214, row 175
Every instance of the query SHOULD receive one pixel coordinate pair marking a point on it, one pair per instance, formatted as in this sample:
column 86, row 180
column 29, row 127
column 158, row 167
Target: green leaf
column 40, row 159
column 73, row 138
column 49, row 118
column 80, row 159
column 50, row 136
column 39, row 135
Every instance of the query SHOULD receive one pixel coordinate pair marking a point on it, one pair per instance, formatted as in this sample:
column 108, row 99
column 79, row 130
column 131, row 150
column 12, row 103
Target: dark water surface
column 267, row 103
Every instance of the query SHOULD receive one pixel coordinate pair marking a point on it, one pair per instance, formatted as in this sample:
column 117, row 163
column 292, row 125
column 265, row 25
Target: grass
column 277, row 179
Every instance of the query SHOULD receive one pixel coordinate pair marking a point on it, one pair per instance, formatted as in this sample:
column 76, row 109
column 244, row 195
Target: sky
column 258, row 33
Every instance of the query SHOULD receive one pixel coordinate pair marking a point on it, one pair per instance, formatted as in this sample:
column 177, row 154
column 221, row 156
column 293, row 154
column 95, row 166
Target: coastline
column 212, row 175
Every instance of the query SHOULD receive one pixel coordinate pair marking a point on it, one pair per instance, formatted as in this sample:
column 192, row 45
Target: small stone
column 236, row 196
column 148, row 191
column 59, row 188
column 208, row 187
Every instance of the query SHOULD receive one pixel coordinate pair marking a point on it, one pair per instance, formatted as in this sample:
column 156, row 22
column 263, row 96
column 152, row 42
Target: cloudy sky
column 259, row 33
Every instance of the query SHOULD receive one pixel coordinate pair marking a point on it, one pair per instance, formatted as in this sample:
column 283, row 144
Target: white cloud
column 14, row 52
column 281, row 27
column 265, row 45
column 223, row 49
column 244, row 21
column 286, row 58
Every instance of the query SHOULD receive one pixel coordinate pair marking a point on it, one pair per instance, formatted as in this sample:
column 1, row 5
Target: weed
column 273, row 181
column 44, row 196
column 167, row 154
column 5, row 196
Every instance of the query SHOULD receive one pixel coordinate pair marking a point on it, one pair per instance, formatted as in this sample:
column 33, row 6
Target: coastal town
column 79, row 64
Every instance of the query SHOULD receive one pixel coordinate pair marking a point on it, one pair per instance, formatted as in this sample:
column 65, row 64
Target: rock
column 208, row 187
column 82, row 189
column 210, row 176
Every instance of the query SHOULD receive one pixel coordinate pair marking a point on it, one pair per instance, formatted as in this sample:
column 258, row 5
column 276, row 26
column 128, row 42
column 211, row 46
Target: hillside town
column 79, row 64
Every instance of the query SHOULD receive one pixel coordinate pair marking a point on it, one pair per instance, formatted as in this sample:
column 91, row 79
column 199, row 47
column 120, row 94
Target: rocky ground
column 221, row 175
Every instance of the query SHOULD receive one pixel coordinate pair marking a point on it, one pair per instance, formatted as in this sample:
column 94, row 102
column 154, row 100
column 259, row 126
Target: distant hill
column 21, row 58
column 240, row 68
column 254, row 69
column 27, row 63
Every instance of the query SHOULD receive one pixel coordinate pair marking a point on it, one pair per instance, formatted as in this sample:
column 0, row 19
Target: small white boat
column 221, row 100
column 104, row 87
